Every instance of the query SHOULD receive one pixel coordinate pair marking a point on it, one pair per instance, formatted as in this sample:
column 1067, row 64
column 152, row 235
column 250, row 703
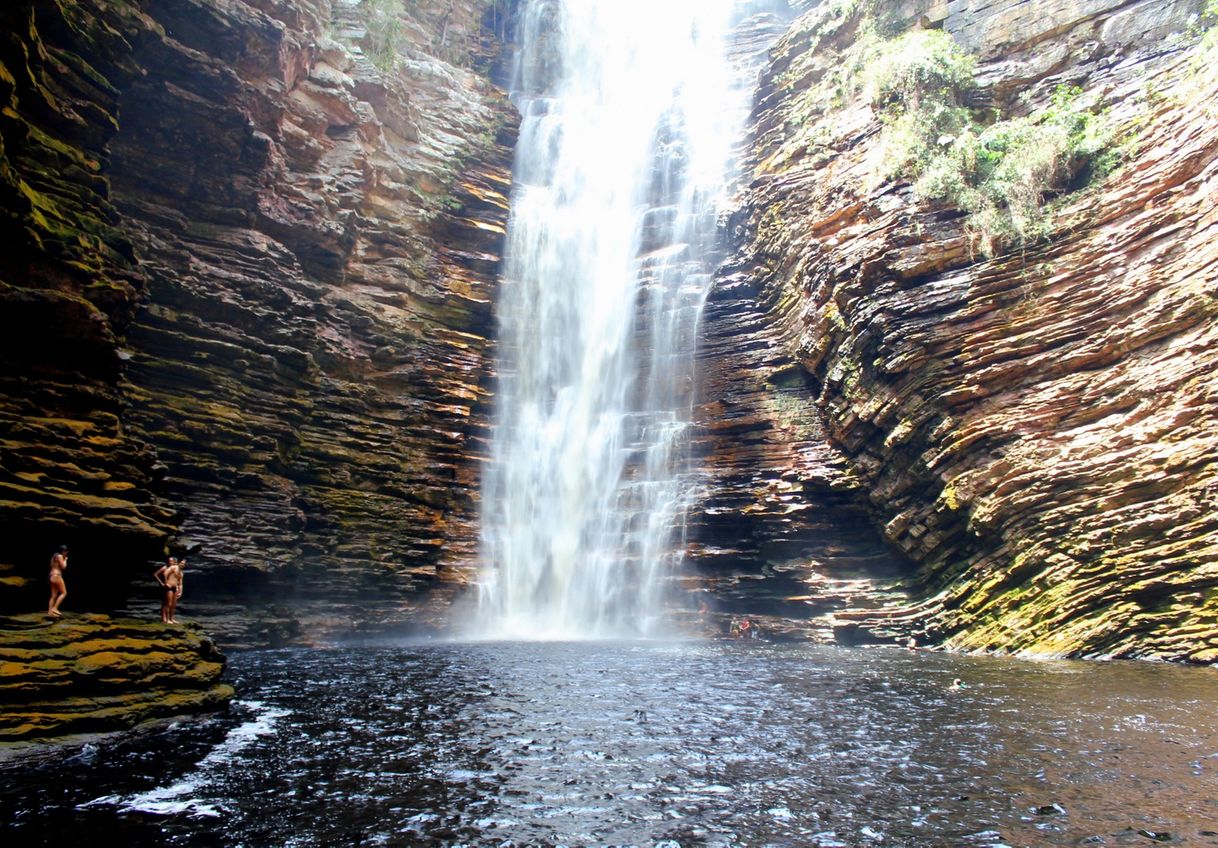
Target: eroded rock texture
column 94, row 674
column 69, row 289
column 320, row 236
column 261, row 237
column 1035, row 431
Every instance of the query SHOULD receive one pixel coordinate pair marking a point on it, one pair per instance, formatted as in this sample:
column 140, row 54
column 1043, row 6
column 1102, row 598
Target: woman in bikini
column 59, row 589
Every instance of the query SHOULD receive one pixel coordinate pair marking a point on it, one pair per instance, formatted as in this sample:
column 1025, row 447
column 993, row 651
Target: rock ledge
column 96, row 674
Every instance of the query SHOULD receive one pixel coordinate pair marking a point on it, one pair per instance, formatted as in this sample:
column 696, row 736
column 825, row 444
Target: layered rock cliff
column 249, row 310
column 247, row 313
column 1035, row 431
column 320, row 236
column 69, row 289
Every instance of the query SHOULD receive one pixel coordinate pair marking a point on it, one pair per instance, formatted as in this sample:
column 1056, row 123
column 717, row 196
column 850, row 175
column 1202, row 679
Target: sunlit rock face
column 1034, row 431
column 262, row 246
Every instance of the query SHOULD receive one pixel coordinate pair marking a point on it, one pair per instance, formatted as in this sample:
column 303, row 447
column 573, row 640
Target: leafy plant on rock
column 384, row 25
column 1002, row 172
column 918, row 83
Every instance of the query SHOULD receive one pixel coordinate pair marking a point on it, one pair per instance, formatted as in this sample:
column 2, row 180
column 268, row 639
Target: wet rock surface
column 89, row 674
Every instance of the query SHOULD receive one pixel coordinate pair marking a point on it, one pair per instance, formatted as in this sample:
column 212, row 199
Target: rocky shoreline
column 89, row 674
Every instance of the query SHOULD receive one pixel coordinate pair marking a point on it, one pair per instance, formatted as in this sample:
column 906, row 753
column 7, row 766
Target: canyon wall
column 1034, row 429
column 248, row 313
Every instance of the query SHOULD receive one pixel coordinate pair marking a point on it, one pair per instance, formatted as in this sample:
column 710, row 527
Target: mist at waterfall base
column 650, row 744
column 629, row 113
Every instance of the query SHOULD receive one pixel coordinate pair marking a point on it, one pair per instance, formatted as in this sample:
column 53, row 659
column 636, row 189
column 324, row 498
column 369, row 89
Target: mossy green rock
column 96, row 674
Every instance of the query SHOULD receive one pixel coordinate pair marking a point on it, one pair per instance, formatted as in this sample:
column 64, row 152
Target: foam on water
column 178, row 798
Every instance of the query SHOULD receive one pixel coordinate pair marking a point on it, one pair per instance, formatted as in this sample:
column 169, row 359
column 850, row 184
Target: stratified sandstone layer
column 94, row 674
column 69, row 288
column 320, row 236
column 780, row 531
column 250, row 300
column 1035, row 431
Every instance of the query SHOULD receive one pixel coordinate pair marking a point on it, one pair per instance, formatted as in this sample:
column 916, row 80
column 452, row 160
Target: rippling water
column 716, row 744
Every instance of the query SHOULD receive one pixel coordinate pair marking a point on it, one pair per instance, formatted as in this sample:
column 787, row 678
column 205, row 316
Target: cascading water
column 630, row 111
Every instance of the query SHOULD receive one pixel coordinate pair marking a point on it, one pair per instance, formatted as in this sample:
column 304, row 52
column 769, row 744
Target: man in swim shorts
column 169, row 576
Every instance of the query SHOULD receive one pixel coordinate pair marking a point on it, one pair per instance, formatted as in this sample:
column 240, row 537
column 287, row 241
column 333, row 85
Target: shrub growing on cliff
column 918, row 83
column 1209, row 24
column 919, row 67
column 385, row 30
column 1002, row 174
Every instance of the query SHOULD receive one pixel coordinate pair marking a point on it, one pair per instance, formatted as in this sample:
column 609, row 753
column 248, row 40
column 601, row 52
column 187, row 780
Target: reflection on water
column 643, row 744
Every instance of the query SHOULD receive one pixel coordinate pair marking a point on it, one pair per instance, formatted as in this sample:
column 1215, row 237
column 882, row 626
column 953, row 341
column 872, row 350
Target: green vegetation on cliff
column 396, row 28
column 1209, row 25
column 1001, row 169
column 1002, row 174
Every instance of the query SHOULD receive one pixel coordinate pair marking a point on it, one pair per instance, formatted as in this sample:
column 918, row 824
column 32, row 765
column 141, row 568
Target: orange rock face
column 1035, row 431
column 296, row 211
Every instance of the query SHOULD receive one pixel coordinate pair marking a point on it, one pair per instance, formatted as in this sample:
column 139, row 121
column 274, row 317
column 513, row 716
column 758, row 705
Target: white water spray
column 630, row 112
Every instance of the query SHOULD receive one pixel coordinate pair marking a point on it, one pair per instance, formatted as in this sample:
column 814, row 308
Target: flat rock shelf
column 91, row 674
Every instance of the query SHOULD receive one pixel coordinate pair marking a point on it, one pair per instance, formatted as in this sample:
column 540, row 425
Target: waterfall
column 629, row 115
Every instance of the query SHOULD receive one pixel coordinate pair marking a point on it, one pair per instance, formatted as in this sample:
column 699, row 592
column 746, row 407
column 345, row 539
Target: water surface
column 717, row 744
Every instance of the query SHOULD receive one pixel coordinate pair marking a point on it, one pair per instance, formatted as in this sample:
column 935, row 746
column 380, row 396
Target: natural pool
column 690, row 744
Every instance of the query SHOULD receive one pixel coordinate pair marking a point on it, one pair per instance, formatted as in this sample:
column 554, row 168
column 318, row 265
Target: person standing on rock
column 59, row 589
column 171, row 579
